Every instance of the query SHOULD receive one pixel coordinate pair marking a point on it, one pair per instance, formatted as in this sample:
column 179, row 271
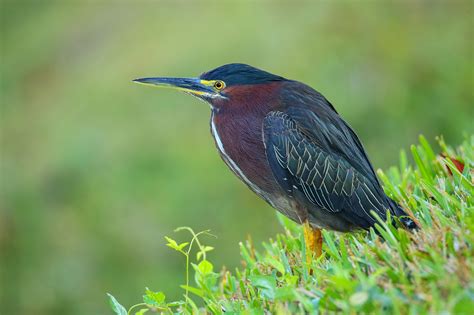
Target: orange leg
column 313, row 240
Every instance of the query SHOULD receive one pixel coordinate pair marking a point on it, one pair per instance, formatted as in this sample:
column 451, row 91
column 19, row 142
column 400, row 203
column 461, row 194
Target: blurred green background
column 96, row 170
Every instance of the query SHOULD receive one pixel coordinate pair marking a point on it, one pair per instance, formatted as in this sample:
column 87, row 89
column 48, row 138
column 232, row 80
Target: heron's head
column 219, row 85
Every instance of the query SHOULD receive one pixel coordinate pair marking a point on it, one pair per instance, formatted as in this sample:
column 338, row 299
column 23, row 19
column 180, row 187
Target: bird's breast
column 240, row 144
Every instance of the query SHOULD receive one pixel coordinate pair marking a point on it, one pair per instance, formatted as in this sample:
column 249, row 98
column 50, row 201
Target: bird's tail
column 402, row 215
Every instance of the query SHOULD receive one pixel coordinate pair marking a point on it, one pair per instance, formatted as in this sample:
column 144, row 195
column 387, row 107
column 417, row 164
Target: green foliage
column 426, row 271
column 116, row 306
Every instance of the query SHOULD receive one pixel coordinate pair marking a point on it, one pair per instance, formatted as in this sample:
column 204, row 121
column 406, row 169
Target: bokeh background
column 95, row 170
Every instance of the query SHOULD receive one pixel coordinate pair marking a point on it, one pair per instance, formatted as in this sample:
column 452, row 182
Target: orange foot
column 313, row 241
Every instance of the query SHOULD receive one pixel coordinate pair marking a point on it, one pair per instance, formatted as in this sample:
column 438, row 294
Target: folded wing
column 313, row 171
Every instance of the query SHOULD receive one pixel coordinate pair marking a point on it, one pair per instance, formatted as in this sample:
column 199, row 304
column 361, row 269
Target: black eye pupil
column 218, row 85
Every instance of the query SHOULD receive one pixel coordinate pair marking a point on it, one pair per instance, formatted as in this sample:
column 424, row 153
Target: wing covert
column 322, row 178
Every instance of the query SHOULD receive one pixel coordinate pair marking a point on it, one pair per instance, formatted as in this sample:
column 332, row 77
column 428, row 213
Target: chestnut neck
column 238, row 123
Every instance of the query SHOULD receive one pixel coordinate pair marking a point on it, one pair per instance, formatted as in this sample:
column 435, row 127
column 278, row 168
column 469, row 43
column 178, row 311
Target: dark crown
column 239, row 73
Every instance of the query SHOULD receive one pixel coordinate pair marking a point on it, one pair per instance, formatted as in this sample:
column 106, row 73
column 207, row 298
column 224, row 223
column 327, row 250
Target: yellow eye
column 219, row 85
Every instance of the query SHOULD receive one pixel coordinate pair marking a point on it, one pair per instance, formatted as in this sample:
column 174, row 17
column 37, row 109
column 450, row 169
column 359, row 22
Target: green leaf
column 203, row 250
column 172, row 243
column 266, row 284
column 207, row 248
column 194, row 290
column 464, row 304
column 116, row 306
column 246, row 255
column 142, row 311
column 182, row 245
column 194, row 308
column 176, row 303
column 154, row 298
column 359, row 298
column 275, row 264
column 285, row 294
column 205, row 267
column 427, row 148
column 421, row 165
column 403, row 160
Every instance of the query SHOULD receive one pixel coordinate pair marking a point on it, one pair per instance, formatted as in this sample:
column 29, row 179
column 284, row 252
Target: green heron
column 289, row 145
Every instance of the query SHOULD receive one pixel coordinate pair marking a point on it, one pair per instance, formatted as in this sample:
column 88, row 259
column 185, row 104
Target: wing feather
column 326, row 180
